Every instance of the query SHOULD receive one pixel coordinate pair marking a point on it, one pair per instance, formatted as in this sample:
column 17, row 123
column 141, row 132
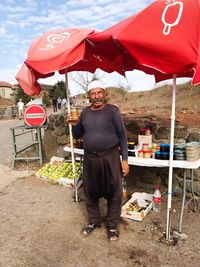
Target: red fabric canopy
column 62, row 50
column 28, row 81
column 163, row 39
column 57, row 49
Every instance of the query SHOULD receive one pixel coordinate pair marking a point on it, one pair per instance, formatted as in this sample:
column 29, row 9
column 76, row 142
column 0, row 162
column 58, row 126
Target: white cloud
column 8, row 75
column 2, row 31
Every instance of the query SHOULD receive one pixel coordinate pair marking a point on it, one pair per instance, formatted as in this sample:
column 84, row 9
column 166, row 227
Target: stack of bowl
column 164, row 150
column 179, row 152
column 192, row 151
column 131, row 149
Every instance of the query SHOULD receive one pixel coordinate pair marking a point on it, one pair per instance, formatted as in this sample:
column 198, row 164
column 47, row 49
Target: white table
column 162, row 163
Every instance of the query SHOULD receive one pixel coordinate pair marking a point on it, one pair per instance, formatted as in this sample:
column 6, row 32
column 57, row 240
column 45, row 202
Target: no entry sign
column 35, row 115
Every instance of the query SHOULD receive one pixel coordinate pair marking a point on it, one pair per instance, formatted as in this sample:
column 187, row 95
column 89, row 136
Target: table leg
column 78, row 182
column 183, row 200
column 185, row 180
column 192, row 190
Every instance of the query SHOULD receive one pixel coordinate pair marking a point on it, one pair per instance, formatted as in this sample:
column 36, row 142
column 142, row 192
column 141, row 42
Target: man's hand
column 125, row 167
column 72, row 122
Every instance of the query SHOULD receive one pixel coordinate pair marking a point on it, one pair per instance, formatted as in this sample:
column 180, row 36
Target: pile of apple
column 57, row 170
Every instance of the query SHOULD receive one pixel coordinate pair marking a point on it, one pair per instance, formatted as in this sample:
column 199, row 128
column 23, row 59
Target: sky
column 23, row 21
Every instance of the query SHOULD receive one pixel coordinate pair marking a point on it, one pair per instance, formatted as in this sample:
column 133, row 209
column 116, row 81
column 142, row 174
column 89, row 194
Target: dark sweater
column 101, row 130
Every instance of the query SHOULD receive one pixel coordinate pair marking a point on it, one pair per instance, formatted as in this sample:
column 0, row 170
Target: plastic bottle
column 124, row 192
column 157, row 199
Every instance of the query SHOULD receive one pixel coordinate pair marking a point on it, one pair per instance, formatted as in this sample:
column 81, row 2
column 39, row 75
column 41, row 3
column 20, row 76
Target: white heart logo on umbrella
column 57, row 38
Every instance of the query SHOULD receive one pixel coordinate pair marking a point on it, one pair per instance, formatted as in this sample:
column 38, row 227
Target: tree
column 84, row 78
column 59, row 89
column 19, row 93
column 46, row 99
column 124, row 88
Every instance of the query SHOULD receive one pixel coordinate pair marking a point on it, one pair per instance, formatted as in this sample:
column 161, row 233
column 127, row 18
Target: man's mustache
column 98, row 100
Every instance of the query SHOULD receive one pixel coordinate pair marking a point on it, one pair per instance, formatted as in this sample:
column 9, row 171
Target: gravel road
column 7, row 174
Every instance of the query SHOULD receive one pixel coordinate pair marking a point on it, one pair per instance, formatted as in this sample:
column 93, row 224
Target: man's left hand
column 125, row 167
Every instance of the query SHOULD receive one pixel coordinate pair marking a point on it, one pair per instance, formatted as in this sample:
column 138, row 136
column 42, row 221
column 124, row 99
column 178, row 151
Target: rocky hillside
column 157, row 102
column 187, row 98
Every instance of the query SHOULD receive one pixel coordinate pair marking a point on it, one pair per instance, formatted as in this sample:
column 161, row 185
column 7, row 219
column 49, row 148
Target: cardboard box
column 70, row 182
column 144, row 139
column 141, row 198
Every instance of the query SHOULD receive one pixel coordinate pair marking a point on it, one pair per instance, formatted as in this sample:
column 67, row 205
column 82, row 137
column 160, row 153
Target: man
column 20, row 106
column 103, row 132
column 64, row 103
column 59, row 100
column 54, row 104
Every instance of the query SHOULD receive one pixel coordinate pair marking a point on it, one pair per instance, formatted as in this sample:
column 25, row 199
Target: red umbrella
column 164, row 40
column 28, row 81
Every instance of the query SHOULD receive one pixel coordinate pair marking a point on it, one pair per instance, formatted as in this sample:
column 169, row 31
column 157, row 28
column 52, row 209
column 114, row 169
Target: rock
column 197, row 175
column 63, row 140
column 193, row 135
column 51, row 118
column 162, row 132
column 181, row 132
column 61, row 153
column 49, row 144
column 51, row 126
column 61, row 119
column 60, row 130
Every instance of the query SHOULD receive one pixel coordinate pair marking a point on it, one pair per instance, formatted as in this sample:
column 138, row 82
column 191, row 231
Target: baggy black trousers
column 102, row 177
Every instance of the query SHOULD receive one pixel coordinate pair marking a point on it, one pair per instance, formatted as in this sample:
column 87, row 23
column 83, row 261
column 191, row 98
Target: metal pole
column 183, row 201
column 14, row 146
column 71, row 138
column 40, row 144
column 169, row 202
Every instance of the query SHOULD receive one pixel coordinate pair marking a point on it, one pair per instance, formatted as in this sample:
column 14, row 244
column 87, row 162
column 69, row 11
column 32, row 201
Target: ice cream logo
column 171, row 15
column 54, row 39
column 58, row 38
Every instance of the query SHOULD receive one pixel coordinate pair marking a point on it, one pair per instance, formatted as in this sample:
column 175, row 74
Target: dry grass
column 158, row 99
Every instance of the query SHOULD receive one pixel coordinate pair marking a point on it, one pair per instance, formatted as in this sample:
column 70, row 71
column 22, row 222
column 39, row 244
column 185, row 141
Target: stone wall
column 57, row 136
column 8, row 113
column 160, row 130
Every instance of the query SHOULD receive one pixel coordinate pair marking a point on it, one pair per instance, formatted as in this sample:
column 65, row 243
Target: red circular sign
column 35, row 115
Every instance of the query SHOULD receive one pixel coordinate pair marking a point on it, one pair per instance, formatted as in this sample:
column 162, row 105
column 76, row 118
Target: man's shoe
column 88, row 229
column 113, row 235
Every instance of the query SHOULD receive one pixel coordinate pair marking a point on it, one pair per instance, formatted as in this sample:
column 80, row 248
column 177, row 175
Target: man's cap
column 95, row 84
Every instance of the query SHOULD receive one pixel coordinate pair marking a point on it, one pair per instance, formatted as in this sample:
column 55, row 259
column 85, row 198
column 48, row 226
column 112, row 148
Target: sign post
column 35, row 115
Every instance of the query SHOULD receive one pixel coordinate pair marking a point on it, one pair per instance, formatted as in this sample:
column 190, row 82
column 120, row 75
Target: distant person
column 72, row 101
column 55, row 104
column 20, row 107
column 59, row 100
column 64, row 103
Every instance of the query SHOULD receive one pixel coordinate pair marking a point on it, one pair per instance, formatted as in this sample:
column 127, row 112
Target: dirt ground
column 40, row 222
column 40, row 226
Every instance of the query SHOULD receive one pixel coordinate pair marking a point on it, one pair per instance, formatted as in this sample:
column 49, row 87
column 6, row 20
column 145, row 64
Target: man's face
column 97, row 97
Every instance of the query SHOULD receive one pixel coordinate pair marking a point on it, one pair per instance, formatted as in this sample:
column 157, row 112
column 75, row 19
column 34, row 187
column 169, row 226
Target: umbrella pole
column 71, row 140
column 169, row 202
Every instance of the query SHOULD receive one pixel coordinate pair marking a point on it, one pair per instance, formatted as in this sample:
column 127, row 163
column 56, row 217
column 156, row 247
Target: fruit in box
column 56, row 170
